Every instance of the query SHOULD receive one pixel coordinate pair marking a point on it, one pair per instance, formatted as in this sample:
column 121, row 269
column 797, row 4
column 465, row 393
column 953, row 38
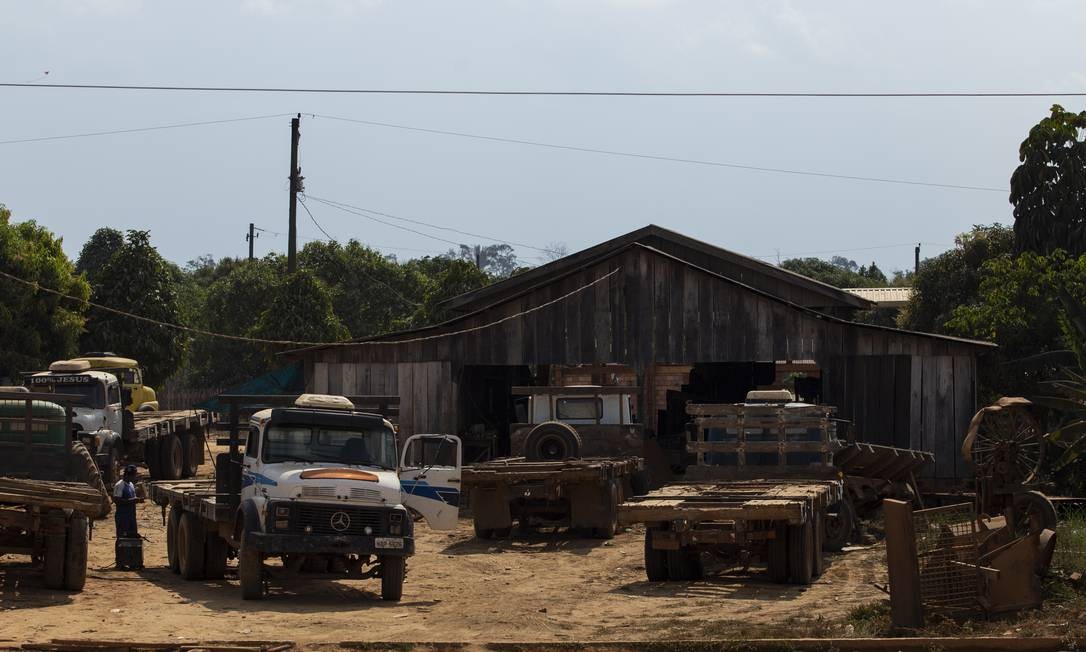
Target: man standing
column 124, row 497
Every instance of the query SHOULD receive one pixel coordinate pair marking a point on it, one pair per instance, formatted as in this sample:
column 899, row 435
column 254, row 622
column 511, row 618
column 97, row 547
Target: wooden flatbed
column 149, row 425
column 793, row 501
column 197, row 496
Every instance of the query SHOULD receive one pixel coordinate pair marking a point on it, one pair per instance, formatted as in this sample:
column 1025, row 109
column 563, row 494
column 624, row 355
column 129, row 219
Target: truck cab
column 99, row 411
column 575, row 421
column 324, row 485
column 137, row 396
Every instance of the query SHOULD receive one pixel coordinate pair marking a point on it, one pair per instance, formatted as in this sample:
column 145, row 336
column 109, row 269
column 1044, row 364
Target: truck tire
column 173, row 523
column 53, row 561
column 190, row 450
column 838, row 523
column 393, row 568
column 685, row 565
column 655, row 560
column 86, row 471
column 152, row 458
column 190, row 547
column 75, row 554
column 251, row 573
column 482, row 532
column 801, row 553
column 552, row 440
column 215, row 553
column 777, row 555
column 639, row 482
column 171, row 457
column 111, row 468
column 610, row 507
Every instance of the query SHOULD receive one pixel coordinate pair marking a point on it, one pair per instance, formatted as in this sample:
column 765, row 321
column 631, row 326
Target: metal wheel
column 838, row 523
column 1033, row 512
column 1005, row 442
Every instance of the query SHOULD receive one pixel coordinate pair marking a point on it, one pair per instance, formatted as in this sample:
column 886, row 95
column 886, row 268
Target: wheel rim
column 552, row 448
column 177, row 457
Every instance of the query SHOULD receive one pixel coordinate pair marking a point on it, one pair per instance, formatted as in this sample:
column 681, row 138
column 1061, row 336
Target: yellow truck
column 138, row 396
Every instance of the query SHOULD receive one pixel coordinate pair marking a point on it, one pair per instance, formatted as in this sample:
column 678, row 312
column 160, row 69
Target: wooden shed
column 674, row 317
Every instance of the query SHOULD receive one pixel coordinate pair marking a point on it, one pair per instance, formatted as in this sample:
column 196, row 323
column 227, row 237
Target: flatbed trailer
column 170, row 442
column 581, row 493
column 207, row 537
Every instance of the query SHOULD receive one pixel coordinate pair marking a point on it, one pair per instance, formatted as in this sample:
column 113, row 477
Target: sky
column 197, row 188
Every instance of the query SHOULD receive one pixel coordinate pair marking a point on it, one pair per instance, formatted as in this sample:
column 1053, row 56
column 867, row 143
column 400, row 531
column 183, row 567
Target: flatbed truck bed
column 169, row 442
column 581, row 493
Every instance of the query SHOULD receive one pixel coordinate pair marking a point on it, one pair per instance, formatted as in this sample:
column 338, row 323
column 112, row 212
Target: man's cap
column 130, row 469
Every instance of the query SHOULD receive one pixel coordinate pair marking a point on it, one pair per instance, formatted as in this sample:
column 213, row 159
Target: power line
column 337, row 204
column 557, row 93
column 392, row 224
column 315, row 223
column 371, row 245
column 140, row 129
column 655, row 157
column 839, row 251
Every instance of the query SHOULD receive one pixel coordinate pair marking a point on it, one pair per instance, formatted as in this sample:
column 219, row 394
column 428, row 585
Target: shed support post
column 906, row 609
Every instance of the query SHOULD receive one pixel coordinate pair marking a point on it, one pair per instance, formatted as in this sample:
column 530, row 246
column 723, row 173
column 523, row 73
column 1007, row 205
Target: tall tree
column 1048, row 189
column 839, row 272
column 498, row 260
column 137, row 280
column 97, row 251
column 299, row 310
column 36, row 327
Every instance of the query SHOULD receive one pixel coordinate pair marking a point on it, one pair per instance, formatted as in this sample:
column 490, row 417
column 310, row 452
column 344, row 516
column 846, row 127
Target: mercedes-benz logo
column 340, row 521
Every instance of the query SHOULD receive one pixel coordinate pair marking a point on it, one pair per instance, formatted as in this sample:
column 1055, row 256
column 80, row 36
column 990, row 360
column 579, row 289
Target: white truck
column 321, row 486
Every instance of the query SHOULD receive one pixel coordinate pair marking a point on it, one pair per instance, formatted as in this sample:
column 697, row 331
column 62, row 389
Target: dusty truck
column 170, row 443
column 320, row 486
column 50, row 489
column 762, row 482
column 575, row 421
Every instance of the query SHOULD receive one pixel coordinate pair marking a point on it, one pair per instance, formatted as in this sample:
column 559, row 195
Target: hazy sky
column 197, row 188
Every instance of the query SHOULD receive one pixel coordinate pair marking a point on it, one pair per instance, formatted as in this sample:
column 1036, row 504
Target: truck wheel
column 251, row 573
column 190, row 547
column 639, row 482
column 482, row 532
column 550, row 441
column 684, row 565
column 392, row 573
column 173, row 522
column 838, row 523
column 172, row 458
column 215, row 554
column 610, row 526
column 801, row 553
column 190, row 448
column 655, row 560
column 86, row 471
column 53, row 564
column 75, row 556
column 151, row 457
column 777, row 555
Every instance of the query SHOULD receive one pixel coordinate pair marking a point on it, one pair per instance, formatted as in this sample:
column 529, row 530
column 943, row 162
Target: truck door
column 114, row 408
column 430, row 478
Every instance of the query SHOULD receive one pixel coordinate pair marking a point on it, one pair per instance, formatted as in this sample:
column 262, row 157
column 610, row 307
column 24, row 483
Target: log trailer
column 50, row 489
column 319, row 485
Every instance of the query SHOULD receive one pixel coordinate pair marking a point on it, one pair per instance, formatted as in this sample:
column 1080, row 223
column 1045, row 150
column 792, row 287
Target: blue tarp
column 287, row 380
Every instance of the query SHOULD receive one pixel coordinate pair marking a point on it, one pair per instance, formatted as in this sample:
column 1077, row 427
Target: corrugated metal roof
column 884, row 297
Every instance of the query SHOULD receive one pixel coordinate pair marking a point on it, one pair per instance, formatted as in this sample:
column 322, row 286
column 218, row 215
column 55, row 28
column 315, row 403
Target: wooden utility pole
column 295, row 188
column 250, row 238
column 916, row 259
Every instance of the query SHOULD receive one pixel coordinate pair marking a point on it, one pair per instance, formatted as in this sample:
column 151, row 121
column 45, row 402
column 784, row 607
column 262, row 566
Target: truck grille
column 319, row 492
column 335, row 520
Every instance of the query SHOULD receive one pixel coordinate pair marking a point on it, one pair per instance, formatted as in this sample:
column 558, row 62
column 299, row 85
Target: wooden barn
column 676, row 318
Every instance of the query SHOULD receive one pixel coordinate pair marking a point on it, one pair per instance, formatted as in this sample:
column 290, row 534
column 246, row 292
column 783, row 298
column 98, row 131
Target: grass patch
column 1070, row 554
column 869, row 620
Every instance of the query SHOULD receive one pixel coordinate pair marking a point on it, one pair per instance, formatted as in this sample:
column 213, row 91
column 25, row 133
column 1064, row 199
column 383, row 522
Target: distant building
column 884, row 297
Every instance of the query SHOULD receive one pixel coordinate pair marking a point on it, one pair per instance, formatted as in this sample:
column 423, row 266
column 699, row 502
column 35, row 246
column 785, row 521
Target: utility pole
column 916, row 262
column 295, row 187
column 478, row 256
column 252, row 236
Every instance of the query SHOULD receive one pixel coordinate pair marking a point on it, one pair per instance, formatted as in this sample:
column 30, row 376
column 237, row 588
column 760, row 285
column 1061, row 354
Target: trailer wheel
column 482, row 532
column 75, row 555
column 552, row 440
column 190, row 547
column 172, row 458
column 639, row 482
column 215, row 553
column 655, row 560
column 173, row 522
column 777, row 556
column 190, row 450
column 610, row 526
column 685, row 565
column 151, row 458
column 801, row 553
column 250, row 572
column 838, row 523
column 53, row 563
column 393, row 568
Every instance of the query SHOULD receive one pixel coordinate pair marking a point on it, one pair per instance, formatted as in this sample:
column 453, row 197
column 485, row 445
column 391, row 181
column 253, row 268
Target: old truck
column 762, row 483
column 575, row 421
column 320, row 486
column 50, row 489
column 170, row 443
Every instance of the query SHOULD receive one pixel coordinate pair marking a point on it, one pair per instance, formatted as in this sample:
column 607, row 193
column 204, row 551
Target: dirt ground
column 551, row 587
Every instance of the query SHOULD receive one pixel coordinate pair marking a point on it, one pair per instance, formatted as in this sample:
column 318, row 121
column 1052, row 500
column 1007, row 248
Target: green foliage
column 498, row 260
column 443, row 279
column 300, row 310
column 839, row 272
column 136, row 279
column 1048, row 189
column 953, row 278
column 97, row 251
column 36, row 327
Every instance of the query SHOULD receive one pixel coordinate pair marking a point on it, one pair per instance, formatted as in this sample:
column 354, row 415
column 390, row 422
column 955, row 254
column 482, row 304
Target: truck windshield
column 293, row 443
column 93, row 394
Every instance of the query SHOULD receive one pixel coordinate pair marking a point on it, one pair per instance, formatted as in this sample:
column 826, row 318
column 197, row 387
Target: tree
column 299, row 310
column 232, row 305
column 97, row 251
column 36, row 327
column 444, row 279
column 1048, row 189
column 137, row 280
column 498, row 260
column 839, row 272
column 953, row 278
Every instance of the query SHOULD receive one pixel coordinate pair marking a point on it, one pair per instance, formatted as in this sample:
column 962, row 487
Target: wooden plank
column 405, row 377
column 965, row 406
column 686, row 347
column 941, row 433
column 319, row 382
column 903, row 564
column 350, row 378
column 916, row 403
column 661, row 314
column 902, row 371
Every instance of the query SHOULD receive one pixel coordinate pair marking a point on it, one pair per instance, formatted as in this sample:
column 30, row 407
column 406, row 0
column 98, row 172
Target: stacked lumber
column 48, row 493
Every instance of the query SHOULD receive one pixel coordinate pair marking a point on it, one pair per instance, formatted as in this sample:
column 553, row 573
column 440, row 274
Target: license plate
column 388, row 542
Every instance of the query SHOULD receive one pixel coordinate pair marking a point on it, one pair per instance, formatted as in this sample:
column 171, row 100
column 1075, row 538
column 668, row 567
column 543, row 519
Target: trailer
column 582, row 494
column 171, row 443
column 762, row 484
column 320, row 486
column 50, row 489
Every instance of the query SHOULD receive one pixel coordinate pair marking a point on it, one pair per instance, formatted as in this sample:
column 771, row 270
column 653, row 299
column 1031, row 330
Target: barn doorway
column 487, row 408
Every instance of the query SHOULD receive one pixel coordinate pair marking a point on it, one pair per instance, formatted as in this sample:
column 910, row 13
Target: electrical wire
column 392, row 224
column 555, row 93
column 838, row 251
column 141, row 129
column 655, row 157
column 338, row 204
column 256, row 340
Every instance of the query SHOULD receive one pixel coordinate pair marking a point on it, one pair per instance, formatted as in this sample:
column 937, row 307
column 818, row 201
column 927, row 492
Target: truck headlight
column 395, row 523
column 282, row 512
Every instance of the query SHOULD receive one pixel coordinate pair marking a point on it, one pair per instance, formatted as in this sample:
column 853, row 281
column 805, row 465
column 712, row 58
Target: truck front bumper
column 316, row 544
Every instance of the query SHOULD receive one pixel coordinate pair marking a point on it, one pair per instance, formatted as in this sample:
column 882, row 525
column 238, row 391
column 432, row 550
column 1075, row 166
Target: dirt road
column 550, row 588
